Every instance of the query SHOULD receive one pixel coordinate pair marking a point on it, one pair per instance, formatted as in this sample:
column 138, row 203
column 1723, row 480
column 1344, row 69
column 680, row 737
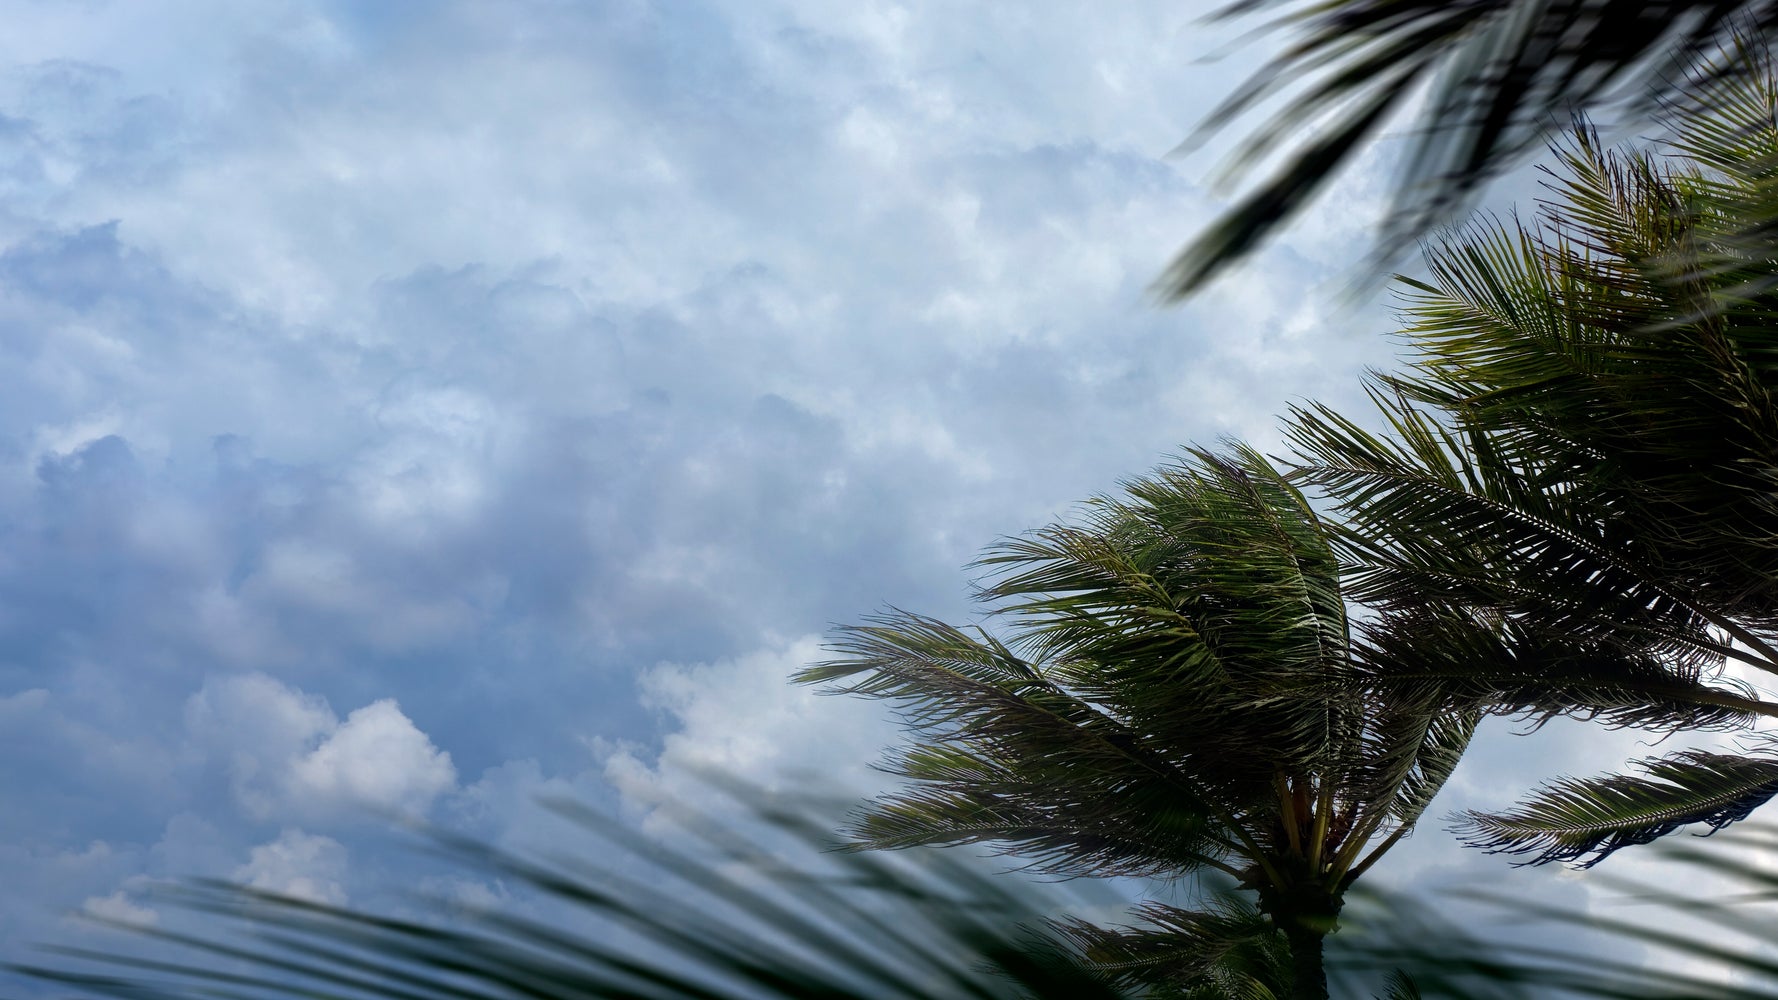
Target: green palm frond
column 1571, row 819
column 1416, row 769
column 1514, row 668
column 1012, row 756
column 1480, row 568
column 1622, row 354
column 1501, row 76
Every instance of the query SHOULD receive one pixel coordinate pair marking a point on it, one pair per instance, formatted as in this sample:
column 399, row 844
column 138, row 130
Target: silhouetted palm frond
column 1576, row 819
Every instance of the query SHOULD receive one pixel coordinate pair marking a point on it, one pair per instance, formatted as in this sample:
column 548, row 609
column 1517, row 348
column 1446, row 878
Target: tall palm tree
column 1501, row 76
column 1584, row 456
column 1178, row 693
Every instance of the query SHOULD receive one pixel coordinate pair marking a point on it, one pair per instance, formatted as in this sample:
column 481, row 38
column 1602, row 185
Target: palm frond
column 676, row 926
column 1571, row 819
column 1400, row 986
column 1621, row 356
column 1675, row 942
column 1501, row 76
column 1009, row 755
column 1224, row 947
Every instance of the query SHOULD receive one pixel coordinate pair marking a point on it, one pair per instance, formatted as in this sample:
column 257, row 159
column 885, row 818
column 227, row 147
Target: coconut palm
column 1584, row 456
column 1179, row 692
column 1500, row 77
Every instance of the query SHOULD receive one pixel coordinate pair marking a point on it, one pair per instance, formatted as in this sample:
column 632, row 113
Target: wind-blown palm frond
column 1000, row 737
column 662, row 924
column 1223, row 948
column 1400, row 986
column 1515, row 667
column 1515, row 595
column 1502, row 76
column 1571, row 819
column 1681, row 944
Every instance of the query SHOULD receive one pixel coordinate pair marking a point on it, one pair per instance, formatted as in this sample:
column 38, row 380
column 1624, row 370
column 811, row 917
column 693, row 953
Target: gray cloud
column 480, row 359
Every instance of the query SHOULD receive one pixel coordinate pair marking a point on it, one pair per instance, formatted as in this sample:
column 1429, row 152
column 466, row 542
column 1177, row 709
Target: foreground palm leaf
column 1687, row 945
column 1178, row 694
column 1502, row 75
column 1582, row 466
column 645, row 923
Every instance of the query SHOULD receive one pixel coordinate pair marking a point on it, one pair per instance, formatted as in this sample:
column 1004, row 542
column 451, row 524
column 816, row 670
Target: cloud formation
column 298, row 864
column 289, row 756
column 743, row 719
column 515, row 376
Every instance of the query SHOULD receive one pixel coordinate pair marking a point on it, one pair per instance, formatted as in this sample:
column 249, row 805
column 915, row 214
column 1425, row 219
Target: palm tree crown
column 1178, row 692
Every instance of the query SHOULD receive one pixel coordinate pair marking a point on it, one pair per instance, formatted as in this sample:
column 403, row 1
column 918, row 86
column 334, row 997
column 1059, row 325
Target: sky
column 425, row 407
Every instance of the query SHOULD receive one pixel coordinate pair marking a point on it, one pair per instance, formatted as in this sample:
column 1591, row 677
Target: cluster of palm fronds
column 1583, row 465
column 1179, row 692
column 1499, row 78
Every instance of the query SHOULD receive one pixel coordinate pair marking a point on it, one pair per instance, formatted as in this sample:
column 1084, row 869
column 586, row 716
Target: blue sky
column 436, row 405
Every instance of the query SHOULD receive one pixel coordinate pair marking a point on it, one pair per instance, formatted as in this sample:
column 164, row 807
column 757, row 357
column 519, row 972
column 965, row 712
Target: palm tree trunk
column 1305, row 960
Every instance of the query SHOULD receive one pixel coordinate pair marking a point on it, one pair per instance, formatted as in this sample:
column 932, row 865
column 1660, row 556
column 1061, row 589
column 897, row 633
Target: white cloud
column 298, row 864
column 119, row 908
column 525, row 343
column 744, row 719
column 287, row 754
column 376, row 757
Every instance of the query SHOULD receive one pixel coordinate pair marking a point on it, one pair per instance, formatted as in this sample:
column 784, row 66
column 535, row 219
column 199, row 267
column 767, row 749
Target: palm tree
column 1583, row 458
column 1501, row 76
column 1179, row 694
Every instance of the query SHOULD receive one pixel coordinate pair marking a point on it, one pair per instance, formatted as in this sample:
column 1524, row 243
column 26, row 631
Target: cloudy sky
column 431, row 405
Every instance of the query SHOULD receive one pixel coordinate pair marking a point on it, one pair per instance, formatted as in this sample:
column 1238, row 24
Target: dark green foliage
column 1176, row 692
column 1571, row 819
column 1574, row 506
column 1224, row 948
column 1502, row 76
